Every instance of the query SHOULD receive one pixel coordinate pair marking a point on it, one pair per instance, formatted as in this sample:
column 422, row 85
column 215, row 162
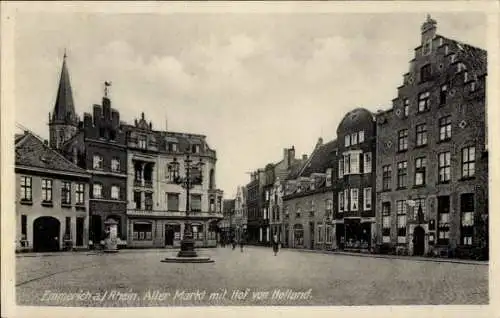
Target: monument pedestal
column 187, row 254
column 111, row 240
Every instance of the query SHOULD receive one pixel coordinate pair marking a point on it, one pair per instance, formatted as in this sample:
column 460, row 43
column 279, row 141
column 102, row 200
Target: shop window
column 142, row 231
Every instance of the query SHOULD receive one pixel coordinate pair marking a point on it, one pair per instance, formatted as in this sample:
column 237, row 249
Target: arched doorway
column 46, row 231
column 418, row 241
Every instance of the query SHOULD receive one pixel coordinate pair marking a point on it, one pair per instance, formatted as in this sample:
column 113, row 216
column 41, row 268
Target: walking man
column 276, row 244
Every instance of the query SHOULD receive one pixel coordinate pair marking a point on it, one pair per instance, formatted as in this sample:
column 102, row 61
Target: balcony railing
column 143, row 183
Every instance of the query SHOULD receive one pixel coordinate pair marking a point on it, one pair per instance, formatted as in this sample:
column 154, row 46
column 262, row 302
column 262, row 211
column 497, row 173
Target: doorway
column 418, row 241
column 46, row 231
column 169, row 235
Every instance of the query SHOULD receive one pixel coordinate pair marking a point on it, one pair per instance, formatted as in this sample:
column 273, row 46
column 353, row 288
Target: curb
column 408, row 258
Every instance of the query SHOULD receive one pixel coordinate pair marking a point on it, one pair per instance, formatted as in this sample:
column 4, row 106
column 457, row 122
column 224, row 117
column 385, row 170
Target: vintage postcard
column 310, row 158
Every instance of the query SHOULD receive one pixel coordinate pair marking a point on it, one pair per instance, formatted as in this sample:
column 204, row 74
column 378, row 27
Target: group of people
column 275, row 243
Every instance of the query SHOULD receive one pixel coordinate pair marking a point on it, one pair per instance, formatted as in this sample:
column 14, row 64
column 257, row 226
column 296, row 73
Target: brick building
column 432, row 165
column 355, row 181
column 308, row 201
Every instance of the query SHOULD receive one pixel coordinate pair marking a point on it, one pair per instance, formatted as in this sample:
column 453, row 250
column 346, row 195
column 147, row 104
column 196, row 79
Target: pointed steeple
column 64, row 108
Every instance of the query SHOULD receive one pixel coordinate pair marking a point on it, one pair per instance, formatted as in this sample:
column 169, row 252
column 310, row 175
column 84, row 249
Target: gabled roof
column 321, row 159
column 31, row 152
column 478, row 57
column 295, row 169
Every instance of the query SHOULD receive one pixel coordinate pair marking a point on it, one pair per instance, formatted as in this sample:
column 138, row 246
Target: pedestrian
column 233, row 242
column 241, row 244
column 276, row 245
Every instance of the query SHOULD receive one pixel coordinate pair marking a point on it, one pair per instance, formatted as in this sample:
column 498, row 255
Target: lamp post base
column 187, row 254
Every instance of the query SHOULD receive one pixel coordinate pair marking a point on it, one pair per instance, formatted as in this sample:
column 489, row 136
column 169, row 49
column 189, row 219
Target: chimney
column 320, row 142
column 97, row 113
column 87, row 120
column 45, row 142
column 304, row 157
column 291, row 155
column 115, row 118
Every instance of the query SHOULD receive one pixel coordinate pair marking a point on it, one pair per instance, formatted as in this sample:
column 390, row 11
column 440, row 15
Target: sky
column 252, row 83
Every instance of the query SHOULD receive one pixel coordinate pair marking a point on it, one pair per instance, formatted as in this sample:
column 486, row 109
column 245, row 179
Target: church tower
column 63, row 123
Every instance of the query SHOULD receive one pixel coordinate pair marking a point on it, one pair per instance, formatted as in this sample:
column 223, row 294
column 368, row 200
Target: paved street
column 138, row 278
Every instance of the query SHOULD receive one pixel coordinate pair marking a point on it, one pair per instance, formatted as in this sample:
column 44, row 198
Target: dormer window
column 97, row 162
column 361, row 136
column 453, row 58
column 172, row 147
column 347, row 140
column 195, row 148
column 446, row 50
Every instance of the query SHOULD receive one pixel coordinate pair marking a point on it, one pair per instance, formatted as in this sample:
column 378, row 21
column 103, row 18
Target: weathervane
column 106, row 88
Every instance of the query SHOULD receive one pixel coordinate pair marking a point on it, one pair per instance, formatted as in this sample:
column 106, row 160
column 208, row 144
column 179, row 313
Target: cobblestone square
column 252, row 277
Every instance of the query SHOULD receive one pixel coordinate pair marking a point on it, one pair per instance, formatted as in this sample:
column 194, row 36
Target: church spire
column 64, row 108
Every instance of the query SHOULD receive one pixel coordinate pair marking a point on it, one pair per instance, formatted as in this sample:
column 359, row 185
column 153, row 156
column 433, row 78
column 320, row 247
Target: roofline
column 60, row 172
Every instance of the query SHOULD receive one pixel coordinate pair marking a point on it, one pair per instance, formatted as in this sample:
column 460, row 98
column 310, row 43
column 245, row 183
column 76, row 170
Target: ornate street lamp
column 187, row 254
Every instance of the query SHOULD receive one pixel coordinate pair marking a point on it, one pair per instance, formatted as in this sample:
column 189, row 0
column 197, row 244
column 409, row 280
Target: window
column 354, row 139
column 427, row 48
column 367, row 162
column 97, row 163
column 444, row 167
column 102, row 133
column 443, row 93
column 26, row 188
column 328, row 207
column 467, row 215
column 142, row 141
column 24, row 226
column 401, row 207
column 386, row 222
column 406, row 107
column 367, row 199
column 115, row 192
column 142, row 231
column 403, row 140
column 354, row 163
column 138, row 200
column 423, row 102
column 172, row 172
column 443, row 220
column 446, row 50
column 328, row 234
column 386, row 177
column 112, row 135
column 321, row 234
column 172, row 147
column 468, row 162
column 425, row 73
column 195, row 148
column 46, row 190
column 354, row 199
column 97, row 190
column 196, row 202
column 420, row 165
column 341, row 168
column 328, row 181
column 361, row 136
column 402, row 174
column 421, row 134
column 445, row 128
column 347, row 140
column 341, row 201
column 66, row 193
column 148, row 201
column 401, row 228
column 473, row 86
column 347, row 164
column 67, row 230
column 80, row 193
column 298, row 211
column 173, row 202
column 419, row 204
column 453, row 58
column 115, row 165
column 461, row 67
column 346, row 200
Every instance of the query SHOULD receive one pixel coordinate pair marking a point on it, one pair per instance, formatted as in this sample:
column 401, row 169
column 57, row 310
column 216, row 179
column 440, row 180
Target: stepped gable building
column 240, row 213
column 308, row 200
column 355, row 181
column 99, row 147
column 432, row 163
column 156, row 161
column 51, row 198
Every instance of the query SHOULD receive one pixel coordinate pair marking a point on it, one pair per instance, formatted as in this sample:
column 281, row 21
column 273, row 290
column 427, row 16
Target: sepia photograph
column 206, row 159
